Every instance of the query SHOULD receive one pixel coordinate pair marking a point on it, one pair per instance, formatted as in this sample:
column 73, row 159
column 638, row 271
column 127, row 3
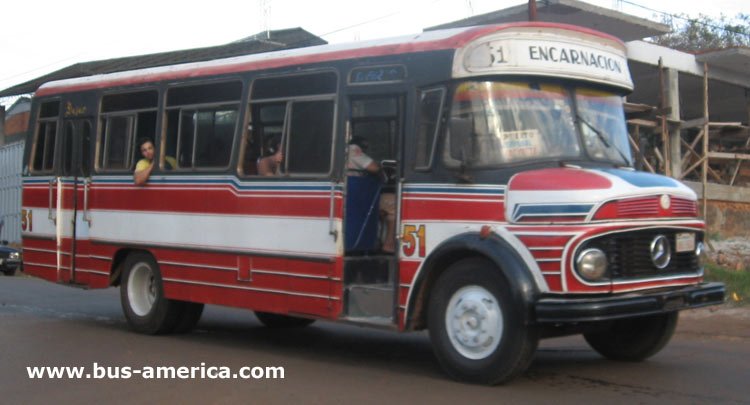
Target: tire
column 10, row 272
column 282, row 321
column 634, row 339
column 142, row 296
column 477, row 327
column 189, row 316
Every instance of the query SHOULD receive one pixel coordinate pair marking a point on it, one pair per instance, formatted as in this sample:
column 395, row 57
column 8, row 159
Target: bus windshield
column 498, row 123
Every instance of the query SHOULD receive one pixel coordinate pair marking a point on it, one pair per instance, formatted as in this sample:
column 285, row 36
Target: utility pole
column 265, row 12
column 532, row 10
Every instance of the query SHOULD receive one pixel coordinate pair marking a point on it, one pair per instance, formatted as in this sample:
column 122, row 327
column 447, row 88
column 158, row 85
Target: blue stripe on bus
column 223, row 181
column 453, row 190
column 642, row 179
column 523, row 210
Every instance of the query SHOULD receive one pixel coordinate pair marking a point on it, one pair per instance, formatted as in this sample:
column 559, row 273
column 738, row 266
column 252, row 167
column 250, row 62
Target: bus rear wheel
column 146, row 308
column 476, row 327
column 634, row 339
column 189, row 316
column 282, row 321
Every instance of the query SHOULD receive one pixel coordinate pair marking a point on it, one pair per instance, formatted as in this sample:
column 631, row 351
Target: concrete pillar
column 672, row 98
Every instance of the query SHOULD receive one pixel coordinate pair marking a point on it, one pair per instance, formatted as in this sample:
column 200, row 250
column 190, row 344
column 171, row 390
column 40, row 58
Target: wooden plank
column 725, row 124
column 706, row 134
column 695, row 123
column 640, row 154
column 736, row 171
column 721, row 192
column 728, row 156
column 636, row 107
column 643, row 123
column 691, row 147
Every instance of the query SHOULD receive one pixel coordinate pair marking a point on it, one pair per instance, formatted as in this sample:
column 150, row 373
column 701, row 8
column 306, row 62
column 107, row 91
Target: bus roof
column 422, row 42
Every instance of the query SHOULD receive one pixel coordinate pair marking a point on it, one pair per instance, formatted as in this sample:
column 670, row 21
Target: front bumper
column 572, row 310
column 9, row 264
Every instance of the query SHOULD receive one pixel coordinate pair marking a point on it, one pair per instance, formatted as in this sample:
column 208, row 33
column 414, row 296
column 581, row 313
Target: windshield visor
column 499, row 123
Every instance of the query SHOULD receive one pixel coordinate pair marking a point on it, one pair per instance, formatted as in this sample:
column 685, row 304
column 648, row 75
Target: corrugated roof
column 262, row 42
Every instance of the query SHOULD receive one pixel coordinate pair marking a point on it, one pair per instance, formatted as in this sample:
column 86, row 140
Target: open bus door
column 72, row 179
column 371, row 274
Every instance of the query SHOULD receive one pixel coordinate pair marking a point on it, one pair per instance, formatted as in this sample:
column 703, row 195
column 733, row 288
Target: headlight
column 14, row 256
column 700, row 250
column 592, row 264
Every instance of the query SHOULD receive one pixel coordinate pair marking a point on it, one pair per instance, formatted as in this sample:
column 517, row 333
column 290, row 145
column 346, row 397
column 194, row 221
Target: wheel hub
column 474, row 322
column 142, row 289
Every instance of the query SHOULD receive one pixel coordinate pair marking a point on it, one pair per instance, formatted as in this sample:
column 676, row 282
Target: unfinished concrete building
column 688, row 115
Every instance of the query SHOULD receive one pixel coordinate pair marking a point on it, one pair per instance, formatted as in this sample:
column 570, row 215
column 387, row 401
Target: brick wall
column 17, row 124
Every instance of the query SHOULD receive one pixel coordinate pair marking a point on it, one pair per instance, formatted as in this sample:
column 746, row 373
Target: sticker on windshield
column 520, row 144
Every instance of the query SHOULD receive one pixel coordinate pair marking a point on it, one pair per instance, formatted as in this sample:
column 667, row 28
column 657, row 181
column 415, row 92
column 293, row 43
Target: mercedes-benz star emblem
column 661, row 252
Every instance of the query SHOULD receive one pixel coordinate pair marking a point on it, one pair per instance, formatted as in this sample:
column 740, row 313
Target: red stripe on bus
column 558, row 180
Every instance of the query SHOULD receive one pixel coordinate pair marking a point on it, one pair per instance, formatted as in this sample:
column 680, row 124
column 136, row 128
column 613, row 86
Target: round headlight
column 592, row 264
column 700, row 250
column 14, row 255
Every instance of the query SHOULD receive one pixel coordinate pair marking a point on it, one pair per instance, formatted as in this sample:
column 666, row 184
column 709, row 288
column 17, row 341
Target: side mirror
column 4, row 242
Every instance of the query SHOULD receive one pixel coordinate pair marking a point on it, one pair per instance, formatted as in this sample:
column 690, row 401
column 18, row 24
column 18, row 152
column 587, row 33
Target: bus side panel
column 432, row 213
column 261, row 245
column 38, row 230
column 269, row 284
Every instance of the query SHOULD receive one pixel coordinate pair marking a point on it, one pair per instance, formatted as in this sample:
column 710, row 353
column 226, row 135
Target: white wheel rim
column 141, row 289
column 474, row 322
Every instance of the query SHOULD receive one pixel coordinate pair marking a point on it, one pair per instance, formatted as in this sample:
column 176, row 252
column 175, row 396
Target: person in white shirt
column 360, row 164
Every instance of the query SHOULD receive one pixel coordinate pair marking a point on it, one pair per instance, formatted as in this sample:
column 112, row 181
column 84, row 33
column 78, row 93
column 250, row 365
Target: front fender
column 508, row 254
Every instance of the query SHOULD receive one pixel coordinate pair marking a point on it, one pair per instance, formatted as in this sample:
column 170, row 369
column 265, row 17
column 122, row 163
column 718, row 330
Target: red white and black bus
column 518, row 214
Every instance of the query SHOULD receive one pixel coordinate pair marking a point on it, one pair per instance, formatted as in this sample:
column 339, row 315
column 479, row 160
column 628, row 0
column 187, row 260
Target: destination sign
column 377, row 74
column 545, row 54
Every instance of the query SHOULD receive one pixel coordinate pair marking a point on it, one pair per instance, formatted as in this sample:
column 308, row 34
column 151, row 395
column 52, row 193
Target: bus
column 518, row 214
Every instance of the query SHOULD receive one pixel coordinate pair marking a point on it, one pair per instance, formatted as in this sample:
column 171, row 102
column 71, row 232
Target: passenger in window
column 271, row 164
column 144, row 166
column 360, row 164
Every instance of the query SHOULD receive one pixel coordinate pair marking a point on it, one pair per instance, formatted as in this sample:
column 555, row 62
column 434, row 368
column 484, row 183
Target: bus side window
column 44, row 143
column 310, row 137
column 430, row 111
column 201, row 124
column 125, row 118
column 298, row 112
column 266, row 128
column 377, row 121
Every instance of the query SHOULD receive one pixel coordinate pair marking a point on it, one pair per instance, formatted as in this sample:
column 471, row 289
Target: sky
column 41, row 36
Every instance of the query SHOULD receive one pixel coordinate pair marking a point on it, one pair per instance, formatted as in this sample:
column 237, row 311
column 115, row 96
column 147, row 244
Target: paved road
column 42, row 324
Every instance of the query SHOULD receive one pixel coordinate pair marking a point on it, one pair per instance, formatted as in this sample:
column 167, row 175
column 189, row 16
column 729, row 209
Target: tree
column 705, row 33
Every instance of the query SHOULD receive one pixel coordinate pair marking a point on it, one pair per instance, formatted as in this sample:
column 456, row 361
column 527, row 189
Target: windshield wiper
column 603, row 139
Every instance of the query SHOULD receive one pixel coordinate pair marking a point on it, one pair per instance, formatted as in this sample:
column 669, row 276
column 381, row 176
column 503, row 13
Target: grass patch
column 736, row 282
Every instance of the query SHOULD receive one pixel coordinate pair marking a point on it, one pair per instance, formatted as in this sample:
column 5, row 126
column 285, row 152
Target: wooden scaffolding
column 709, row 151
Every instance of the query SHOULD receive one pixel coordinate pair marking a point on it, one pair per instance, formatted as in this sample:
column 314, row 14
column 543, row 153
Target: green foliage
column 737, row 282
column 705, row 33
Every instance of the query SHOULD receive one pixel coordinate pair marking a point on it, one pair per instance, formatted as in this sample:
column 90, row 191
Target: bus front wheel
column 476, row 327
column 142, row 296
column 634, row 339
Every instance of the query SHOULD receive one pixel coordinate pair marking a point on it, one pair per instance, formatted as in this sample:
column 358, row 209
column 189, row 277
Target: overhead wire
column 688, row 19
